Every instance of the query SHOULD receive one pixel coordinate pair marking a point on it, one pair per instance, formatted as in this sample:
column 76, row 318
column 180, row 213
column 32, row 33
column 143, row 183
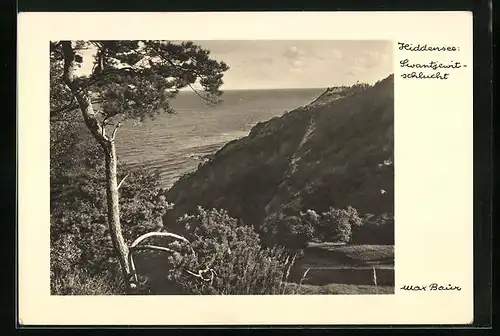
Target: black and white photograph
column 222, row 167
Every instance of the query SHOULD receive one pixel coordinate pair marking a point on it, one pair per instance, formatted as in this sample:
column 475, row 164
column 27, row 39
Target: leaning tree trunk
column 108, row 145
column 114, row 224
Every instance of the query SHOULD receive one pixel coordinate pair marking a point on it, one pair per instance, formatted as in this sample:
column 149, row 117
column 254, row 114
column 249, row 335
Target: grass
column 368, row 252
column 347, row 265
column 338, row 289
column 355, row 254
column 82, row 283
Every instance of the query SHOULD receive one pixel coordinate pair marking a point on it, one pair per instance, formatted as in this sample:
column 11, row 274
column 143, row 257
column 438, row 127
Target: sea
column 175, row 144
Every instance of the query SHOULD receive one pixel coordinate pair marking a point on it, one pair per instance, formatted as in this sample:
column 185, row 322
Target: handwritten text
column 431, row 287
column 432, row 69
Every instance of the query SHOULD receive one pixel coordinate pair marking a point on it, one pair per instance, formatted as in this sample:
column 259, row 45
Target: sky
column 263, row 64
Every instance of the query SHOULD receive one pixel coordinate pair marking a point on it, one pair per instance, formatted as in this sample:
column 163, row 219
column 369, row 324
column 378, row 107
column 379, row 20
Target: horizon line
column 264, row 88
column 294, row 88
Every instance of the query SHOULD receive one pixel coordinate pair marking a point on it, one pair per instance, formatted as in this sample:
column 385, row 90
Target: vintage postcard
column 245, row 168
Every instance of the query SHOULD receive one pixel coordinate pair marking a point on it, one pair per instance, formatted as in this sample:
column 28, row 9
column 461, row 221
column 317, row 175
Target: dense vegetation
column 233, row 252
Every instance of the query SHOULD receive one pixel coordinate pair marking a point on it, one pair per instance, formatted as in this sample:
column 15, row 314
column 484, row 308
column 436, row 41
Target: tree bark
column 113, row 204
column 108, row 146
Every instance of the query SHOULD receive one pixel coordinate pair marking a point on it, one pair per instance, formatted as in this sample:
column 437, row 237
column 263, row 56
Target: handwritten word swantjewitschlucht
column 432, row 69
column 433, row 65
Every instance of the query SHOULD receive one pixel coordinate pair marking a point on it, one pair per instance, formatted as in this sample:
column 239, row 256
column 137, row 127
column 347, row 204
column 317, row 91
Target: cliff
column 336, row 151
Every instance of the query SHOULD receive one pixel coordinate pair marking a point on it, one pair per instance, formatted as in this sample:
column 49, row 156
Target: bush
column 339, row 224
column 292, row 232
column 311, row 219
column 233, row 251
column 376, row 229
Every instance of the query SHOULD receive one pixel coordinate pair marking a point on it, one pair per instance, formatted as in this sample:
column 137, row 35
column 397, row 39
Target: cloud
column 296, row 59
column 324, row 54
column 297, row 63
column 335, row 53
column 355, row 70
column 255, row 60
column 371, row 53
column 266, row 60
column 292, row 52
column 370, row 59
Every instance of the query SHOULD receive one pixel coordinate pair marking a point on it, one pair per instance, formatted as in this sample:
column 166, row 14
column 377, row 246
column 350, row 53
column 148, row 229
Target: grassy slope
column 336, row 289
column 357, row 254
column 347, row 269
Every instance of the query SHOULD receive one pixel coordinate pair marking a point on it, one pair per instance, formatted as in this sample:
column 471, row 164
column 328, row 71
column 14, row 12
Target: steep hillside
column 336, row 151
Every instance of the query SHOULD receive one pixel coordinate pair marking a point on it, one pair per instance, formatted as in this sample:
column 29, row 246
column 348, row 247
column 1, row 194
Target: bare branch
column 163, row 234
column 121, row 182
column 114, row 131
column 200, row 274
column 103, row 127
column 152, row 247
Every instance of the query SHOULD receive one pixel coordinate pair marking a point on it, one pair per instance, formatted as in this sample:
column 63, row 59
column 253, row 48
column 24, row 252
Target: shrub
column 311, row 219
column 338, row 224
column 292, row 232
column 233, row 251
column 376, row 229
